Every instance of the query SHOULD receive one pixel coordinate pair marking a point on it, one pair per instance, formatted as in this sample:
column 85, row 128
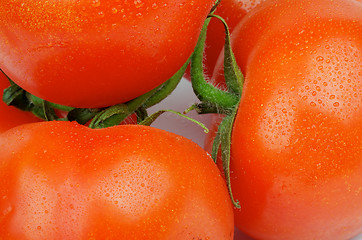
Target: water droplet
column 96, row 3
column 319, row 58
column 138, row 3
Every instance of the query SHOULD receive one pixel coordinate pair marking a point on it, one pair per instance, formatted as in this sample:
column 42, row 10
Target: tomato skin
column 96, row 53
column 61, row 180
column 10, row 116
column 296, row 160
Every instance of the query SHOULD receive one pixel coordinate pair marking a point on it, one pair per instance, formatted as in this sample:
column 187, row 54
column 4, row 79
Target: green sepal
column 216, row 145
column 49, row 113
column 82, row 115
column 204, row 90
column 233, row 77
column 225, row 129
column 16, row 96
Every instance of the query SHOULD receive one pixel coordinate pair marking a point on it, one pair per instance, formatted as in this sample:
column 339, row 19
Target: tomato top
column 96, row 53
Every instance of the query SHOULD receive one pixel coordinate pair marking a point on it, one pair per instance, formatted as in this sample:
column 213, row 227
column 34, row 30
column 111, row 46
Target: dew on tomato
column 96, row 54
column 124, row 182
column 296, row 140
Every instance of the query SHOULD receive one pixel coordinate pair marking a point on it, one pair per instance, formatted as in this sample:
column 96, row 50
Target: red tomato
column 296, row 152
column 96, row 53
column 232, row 11
column 11, row 116
column 61, row 180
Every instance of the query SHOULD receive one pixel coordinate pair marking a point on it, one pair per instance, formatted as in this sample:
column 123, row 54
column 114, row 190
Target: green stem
column 149, row 120
column 204, row 90
column 233, row 77
column 38, row 101
column 116, row 114
column 213, row 9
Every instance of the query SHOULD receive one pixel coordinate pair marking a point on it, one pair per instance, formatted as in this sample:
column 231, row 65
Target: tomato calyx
column 216, row 100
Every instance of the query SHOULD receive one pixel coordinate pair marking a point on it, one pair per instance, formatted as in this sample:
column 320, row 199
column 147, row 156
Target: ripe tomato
column 11, row 116
column 61, row 180
column 96, row 53
column 296, row 152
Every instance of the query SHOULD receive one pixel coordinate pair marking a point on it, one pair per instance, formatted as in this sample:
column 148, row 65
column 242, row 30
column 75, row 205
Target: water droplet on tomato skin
column 114, row 10
column 138, row 3
column 154, row 6
column 96, row 3
column 319, row 58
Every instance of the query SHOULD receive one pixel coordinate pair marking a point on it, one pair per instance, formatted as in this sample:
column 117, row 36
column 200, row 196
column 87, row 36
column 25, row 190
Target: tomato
column 232, row 11
column 11, row 116
column 96, row 53
column 296, row 151
column 61, row 180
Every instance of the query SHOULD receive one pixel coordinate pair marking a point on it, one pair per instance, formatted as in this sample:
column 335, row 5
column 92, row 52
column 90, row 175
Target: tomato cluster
column 286, row 131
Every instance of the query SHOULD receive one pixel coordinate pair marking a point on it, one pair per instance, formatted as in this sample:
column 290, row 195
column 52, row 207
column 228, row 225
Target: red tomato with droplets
column 11, row 116
column 296, row 152
column 61, row 180
column 96, row 53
